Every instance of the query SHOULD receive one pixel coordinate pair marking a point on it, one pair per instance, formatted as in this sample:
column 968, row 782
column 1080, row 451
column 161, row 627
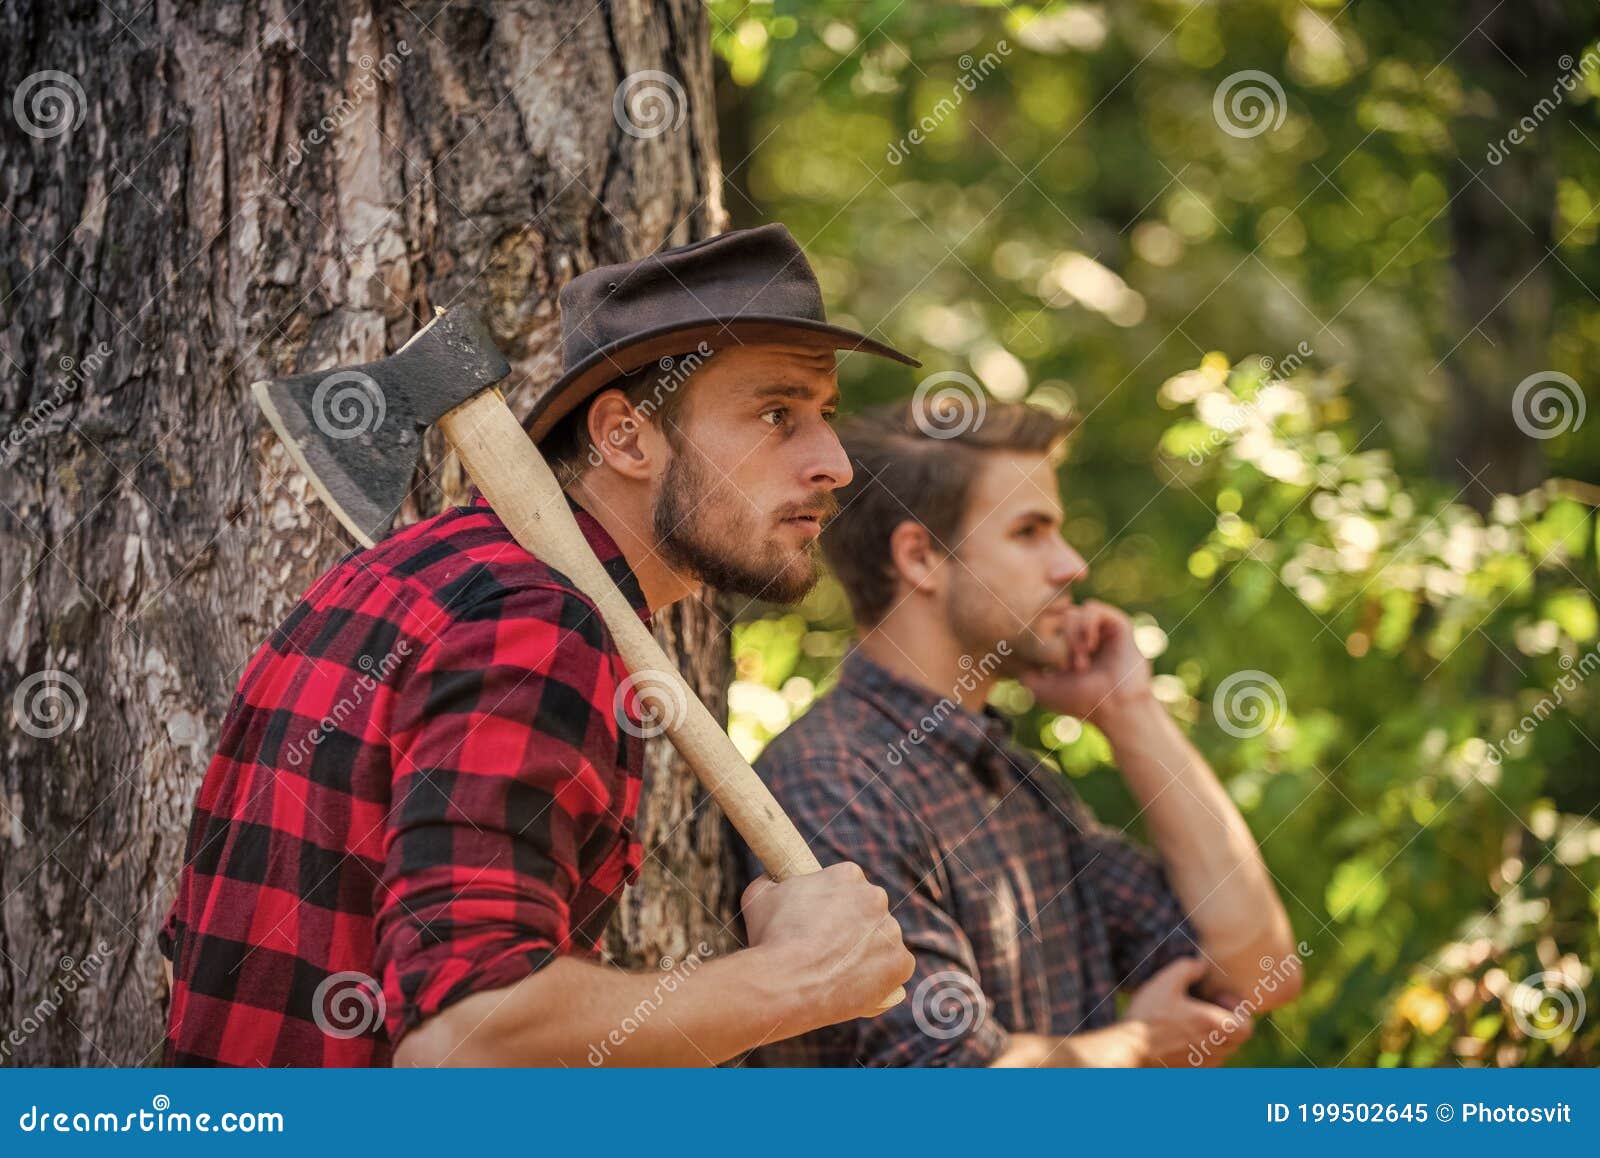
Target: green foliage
column 1265, row 337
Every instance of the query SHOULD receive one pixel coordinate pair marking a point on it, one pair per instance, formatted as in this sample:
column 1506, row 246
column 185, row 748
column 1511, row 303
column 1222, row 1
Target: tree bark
column 200, row 194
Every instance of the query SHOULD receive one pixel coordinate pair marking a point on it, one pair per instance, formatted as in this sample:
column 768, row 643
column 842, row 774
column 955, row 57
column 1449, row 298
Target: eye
column 830, row 416
column 776, row 416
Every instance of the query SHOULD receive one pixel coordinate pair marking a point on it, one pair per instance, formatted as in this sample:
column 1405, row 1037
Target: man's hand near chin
column 1210, row 856
column 1103, row 669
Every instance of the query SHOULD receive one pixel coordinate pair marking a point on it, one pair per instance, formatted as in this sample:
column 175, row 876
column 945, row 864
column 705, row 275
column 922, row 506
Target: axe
column 356, row 433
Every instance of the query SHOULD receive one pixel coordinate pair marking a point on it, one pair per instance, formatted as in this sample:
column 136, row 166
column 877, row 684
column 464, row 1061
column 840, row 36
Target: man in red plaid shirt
column 422, row 810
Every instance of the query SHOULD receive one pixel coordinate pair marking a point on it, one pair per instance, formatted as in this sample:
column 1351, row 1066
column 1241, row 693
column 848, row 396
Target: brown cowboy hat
column 745, row 287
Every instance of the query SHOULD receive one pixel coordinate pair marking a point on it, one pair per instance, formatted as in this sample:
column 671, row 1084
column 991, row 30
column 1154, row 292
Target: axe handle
column 523, row 491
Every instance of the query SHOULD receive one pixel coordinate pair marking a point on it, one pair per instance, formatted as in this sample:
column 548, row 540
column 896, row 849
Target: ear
column 615, row 426
column 916, row 558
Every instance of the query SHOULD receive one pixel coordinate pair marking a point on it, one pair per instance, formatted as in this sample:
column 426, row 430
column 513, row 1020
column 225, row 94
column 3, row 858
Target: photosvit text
column 1417, row 1113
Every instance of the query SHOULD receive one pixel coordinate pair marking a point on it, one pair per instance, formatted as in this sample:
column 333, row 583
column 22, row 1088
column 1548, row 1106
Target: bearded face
column 707, row 528
column 980, row 618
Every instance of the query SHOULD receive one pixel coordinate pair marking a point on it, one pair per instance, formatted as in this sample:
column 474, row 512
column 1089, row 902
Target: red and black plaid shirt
column 421, row 792
column 1025, row 914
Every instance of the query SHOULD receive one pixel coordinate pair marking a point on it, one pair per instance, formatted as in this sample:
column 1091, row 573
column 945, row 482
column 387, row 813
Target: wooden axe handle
column 523, row 491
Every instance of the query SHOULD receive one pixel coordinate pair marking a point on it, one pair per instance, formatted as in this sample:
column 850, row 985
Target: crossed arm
column 1248, row 963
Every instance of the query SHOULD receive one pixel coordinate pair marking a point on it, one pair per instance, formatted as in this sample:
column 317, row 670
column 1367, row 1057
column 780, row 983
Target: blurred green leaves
column 1294, row 352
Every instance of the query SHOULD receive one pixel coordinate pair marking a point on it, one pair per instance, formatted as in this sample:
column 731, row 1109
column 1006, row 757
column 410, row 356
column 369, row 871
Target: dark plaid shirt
column 1025, row 915
column 421, row 792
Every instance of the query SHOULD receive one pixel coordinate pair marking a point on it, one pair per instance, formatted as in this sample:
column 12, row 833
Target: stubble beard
column 721, row 543
column 980, row 623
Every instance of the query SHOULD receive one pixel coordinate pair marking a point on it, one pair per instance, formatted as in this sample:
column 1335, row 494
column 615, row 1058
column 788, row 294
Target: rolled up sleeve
column 505, row 765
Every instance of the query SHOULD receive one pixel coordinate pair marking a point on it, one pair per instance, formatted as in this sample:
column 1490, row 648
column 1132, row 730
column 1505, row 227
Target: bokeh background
column 1320, row 281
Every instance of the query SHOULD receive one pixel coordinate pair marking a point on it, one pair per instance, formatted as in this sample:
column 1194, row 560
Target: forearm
column 1210, row 856
column 578, row 1013
column 1120, row 1046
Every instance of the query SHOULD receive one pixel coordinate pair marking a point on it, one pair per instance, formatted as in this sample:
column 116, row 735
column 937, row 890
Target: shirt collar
column 605, row 549
column 941, row 721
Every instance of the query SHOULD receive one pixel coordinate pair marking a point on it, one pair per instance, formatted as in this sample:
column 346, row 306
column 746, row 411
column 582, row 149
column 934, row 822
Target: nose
column 827, row 466
column 1067, row 566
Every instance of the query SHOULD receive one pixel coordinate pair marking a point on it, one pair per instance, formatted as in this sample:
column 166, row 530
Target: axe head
column 356, row 431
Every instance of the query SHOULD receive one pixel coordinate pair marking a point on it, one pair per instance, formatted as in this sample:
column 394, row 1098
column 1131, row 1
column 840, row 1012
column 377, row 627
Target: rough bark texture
column 256, row 188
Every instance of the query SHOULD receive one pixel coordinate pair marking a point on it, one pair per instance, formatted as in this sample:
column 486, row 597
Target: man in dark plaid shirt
column 1027, row 918
column 422, row 809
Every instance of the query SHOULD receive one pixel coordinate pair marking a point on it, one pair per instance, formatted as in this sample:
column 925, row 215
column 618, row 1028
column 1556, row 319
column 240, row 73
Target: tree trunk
column 1502, row 214
column 200, row 194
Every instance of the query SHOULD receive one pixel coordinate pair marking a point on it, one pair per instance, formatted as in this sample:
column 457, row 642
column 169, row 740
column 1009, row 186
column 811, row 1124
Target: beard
column 722, row 544
column 980, row 622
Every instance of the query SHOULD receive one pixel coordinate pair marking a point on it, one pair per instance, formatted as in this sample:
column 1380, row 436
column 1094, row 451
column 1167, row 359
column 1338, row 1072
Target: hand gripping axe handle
column 356, row 433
